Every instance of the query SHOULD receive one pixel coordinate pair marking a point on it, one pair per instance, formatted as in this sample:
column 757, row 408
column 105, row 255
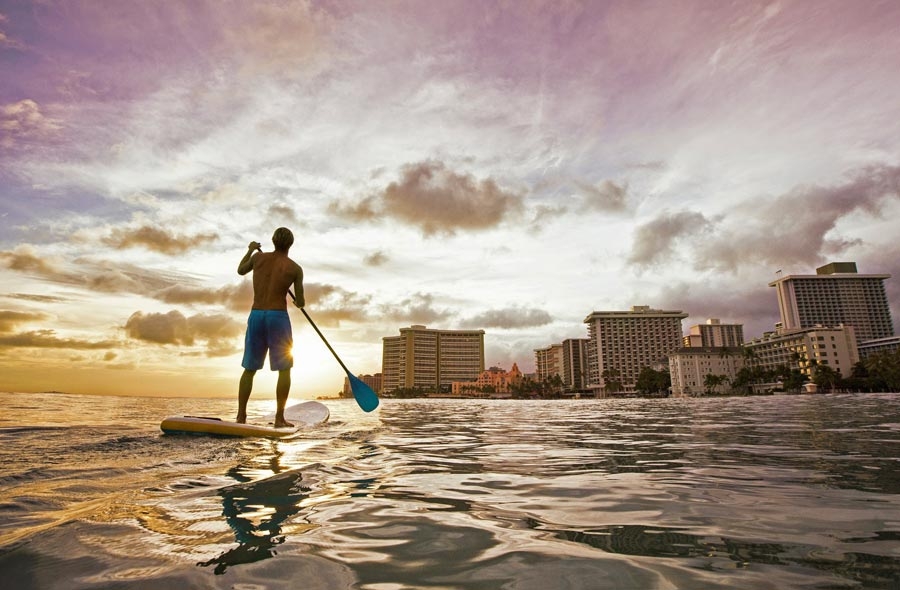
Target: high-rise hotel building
column 575, row 372
column 628, row 341
column 568, row 360
column 431, row 359
column 836, row 295
column 548, row 361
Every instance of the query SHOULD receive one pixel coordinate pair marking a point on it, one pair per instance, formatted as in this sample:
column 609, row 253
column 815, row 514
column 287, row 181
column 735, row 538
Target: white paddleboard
column 302, row 415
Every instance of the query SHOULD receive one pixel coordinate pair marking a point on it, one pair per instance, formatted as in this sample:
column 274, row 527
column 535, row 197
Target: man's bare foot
column 282, row 423
column 241, row 419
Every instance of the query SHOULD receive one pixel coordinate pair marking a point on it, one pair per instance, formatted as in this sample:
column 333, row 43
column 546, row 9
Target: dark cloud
column 157, row 239
column 25, row 259
column 509, row 318
column 284, row 215
column 37, row 298
column 437, row 200
column 886, row 260
column 48, row 339
column 10, row 319
column 654, row 242
column 749, row 302
column 175, row 328
column 606, row 196
column 376, row 258
column 328, row 304
column 237, row 297
column 795, row 228
column 331, row 305
column 115, row 277
column 417, row 309
column 365, row 210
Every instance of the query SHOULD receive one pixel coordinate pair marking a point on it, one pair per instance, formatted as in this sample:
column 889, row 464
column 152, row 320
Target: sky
column 509, row 166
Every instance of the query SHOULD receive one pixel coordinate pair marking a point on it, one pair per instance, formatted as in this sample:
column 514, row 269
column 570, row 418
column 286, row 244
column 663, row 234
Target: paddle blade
column 364, row 395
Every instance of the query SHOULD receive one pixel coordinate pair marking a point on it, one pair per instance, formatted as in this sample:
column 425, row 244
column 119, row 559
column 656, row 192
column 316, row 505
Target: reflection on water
column 256, row 511
column 768, row 492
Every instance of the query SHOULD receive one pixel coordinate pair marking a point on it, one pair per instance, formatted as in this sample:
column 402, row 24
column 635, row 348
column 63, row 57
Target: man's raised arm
column 246, row 264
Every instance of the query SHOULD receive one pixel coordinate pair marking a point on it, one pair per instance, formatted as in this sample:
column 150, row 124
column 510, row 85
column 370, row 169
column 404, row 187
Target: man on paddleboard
column 269, row 326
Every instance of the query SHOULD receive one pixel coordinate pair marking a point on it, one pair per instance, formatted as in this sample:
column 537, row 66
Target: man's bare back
column 273, row 274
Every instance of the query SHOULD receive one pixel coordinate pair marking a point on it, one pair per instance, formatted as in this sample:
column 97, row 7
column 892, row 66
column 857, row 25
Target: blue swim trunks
column 268, row 330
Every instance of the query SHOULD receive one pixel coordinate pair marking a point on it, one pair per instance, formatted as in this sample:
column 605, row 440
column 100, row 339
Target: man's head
column 282, row 239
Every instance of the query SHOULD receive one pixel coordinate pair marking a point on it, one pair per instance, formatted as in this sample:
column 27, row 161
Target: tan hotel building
column 431, row 359
column 833, row 346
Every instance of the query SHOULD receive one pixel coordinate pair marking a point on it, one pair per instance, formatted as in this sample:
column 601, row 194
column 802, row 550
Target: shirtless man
column 269, row 326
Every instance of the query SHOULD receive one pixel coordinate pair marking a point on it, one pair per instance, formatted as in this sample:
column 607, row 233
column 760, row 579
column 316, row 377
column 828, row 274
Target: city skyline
column 463, row 165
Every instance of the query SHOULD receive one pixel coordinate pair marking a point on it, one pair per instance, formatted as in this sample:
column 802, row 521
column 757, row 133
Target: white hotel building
column 689, row 367
column 836, row 295
column 628, row 341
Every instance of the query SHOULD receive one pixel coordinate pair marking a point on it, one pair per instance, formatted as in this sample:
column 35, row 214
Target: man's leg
column 282, row 389
column 244, row 389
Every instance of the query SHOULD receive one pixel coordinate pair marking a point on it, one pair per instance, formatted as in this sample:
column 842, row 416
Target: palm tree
column 611, row 380
column 826, row 377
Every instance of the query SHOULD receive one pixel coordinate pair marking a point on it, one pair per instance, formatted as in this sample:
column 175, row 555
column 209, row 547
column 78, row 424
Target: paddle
column 364, row 395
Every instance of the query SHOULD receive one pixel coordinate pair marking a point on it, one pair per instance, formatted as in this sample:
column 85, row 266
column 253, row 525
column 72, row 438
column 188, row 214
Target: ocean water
column 747, row 492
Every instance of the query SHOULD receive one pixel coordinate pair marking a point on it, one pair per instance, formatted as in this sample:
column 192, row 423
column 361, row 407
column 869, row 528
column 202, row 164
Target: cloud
column 5, row 41
column 437, row 200
column 744, row 301
column 284, row 215
column 376, row 259
column 107, row 276
column 331, row 305
column 276, row 39
column 48, row 339
column 24, row 121
column 544, row 214
column 10, row 319
column 175, row 328
column 509, row 318
column 654, row 241
column 416, row 309
column 799, row 226
column 238, row 297
column 157, row 240
column 25, row 258
column 38, row 298
column 606, row 196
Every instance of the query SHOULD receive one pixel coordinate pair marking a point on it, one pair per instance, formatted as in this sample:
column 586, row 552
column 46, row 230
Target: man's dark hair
column 283, row 239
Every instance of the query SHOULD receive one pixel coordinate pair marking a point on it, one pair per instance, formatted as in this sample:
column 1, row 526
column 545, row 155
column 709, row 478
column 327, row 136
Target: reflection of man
column 281, row 494
column 269, row 326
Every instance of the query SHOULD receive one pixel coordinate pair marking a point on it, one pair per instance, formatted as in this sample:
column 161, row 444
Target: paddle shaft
column 322, row 336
